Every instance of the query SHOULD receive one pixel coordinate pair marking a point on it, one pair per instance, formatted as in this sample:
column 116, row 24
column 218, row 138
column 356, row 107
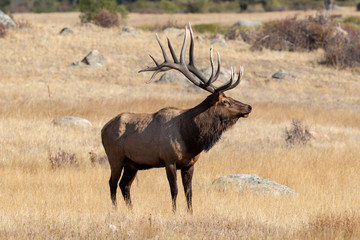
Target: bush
column 343, row 50
column 167, row 6
column 106, row 19
column 93, row 11
column 3, row 30
column 292, row 34
column 196, row 6
column 298, row 134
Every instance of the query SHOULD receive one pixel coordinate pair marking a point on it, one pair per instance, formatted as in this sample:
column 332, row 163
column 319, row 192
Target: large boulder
column 6, row 20
column 71, row 121
column 252, row 183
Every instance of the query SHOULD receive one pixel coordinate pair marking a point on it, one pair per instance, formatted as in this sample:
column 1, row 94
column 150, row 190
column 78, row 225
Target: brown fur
column 170, row 138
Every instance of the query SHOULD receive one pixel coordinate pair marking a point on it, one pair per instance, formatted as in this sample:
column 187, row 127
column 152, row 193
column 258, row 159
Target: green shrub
column 211, row 28
column 196, row 6
column 90, row 9
column 223, row 6
column 167, row 6
column 353, row 20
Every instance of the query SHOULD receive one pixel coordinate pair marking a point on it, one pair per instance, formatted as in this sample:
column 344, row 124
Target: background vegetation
column 170, row 6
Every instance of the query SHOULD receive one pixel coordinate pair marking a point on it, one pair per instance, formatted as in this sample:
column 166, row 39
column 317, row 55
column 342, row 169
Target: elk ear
column 214, row 98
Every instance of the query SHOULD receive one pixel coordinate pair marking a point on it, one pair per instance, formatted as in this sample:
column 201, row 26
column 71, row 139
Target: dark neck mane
column 203, row 126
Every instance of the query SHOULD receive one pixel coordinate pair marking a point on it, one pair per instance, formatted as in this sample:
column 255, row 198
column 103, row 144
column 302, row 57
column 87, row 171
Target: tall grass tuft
column 3, row 30
column 63, row 159
column 298, row 134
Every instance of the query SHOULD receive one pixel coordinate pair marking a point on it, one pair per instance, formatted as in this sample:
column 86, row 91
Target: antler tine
column 156, row 63
column 224, row 87
column 212, row 77
column 183, row 48
column 191, row 49
column 172, row 52
column 241, row 73
column 206, row 84
column 162, row 48
column 152, row 76
column 228, row 86
column 218, row 69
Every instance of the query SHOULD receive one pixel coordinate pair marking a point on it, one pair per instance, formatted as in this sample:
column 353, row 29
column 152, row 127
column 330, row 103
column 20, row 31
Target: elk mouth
column 243, row 115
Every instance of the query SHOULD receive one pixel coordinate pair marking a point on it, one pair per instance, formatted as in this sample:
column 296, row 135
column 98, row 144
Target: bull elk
column 172, row 138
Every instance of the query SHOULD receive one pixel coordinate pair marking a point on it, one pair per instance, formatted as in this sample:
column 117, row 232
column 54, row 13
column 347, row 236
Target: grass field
column 38, row 84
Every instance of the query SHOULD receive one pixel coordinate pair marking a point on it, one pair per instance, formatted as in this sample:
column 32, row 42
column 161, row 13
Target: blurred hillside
column 175, row 6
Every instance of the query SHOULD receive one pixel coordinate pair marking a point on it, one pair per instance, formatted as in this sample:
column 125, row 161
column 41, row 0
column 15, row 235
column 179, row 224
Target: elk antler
column 189, row 70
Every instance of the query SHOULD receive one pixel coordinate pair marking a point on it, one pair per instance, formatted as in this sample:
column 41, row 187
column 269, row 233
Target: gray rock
column 6, row 20
column 252, row 183
column 66, row 31
column 281, row 74
column 218, row 41
column 89, row 25
column 224, row 76
column 172, row 77
column 129, row 30
column 173, row 31
column 94, row 59
column 178, row 78
column 75, row 121
column 247, row 23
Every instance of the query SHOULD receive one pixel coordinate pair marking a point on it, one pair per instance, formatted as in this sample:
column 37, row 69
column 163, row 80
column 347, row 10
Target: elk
column 172, row 138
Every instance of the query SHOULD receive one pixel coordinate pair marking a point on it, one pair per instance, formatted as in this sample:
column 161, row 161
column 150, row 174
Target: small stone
column 281, row 74
column 94, row 59
column 75, row 121
column 66, row 31
column 247, row 23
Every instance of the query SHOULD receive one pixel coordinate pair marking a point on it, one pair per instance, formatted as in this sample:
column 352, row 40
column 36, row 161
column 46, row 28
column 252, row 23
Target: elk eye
column 226, row 102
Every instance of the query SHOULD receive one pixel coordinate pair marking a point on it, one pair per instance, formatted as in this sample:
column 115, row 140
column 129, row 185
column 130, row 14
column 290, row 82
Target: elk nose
column 249, row 108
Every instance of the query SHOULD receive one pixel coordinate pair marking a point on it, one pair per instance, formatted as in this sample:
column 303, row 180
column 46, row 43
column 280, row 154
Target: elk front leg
column 186, row 175
column 125, row 184
column 171, row 175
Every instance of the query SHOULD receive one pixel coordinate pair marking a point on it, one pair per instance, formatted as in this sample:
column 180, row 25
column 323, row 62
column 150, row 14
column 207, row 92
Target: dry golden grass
column 37, row 201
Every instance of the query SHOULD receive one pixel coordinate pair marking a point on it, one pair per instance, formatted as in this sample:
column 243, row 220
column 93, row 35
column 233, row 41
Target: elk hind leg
column 186, row 175
column 125, row 184
column 116, row 169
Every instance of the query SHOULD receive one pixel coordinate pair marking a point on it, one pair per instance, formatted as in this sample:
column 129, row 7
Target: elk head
column 228, row 106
